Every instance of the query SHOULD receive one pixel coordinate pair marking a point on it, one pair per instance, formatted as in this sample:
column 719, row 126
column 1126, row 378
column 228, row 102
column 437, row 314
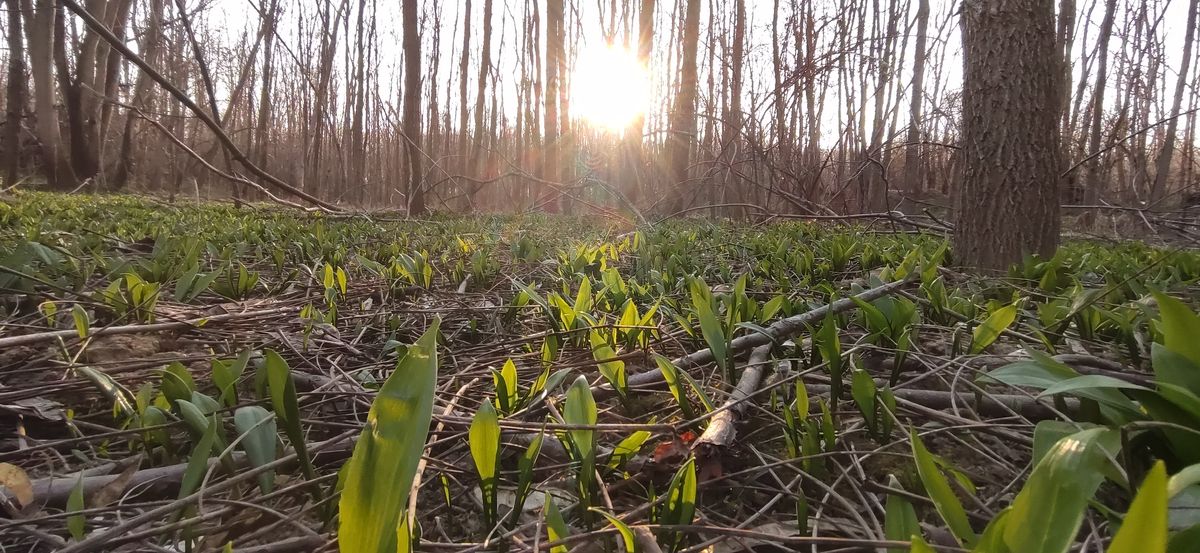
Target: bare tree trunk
column 16, row 94
column 151, row 46
column 412, row 108
column 634, row 179
column 40, row 32
column 464, row 123
column 912, row 152
column 1092, row 181
column 1010, row 134
column 485, row 66
column 554, row 51
column 682, row 133
column 1163, row 167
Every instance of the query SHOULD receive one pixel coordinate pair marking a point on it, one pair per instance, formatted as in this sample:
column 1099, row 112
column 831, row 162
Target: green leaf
column 630, row 446
column 671, row 376
column 580, row 410
column 919, row 545
column 82, row 323
column 627, row 537
column 829, row 345
column 1144, row 529
column 714, row 335
column 259, row 438
column 507, row 391
column 681, row 502
column 556, row 527
column 612, row 369
column 381, row 469
column 941, row 494
column 177, row 382
column 1046, row 514
column 1180, row 326
column 1171, row 367
column 900, row 520
column 862, row 388
column 225, row 375
column 525, row 471
column 1089, row 381
column 76, row 523
column 287, row 408
column 992, row 328
column 484, row 439
column 197, row 463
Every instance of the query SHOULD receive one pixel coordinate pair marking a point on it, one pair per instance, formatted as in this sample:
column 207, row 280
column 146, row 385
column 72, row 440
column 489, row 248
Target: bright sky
column 598, row 87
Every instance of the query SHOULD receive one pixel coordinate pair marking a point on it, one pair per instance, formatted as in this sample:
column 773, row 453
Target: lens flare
column 609, row 87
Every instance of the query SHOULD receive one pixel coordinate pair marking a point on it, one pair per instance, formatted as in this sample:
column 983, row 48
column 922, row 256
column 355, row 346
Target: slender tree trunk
column 1008, row 204
column 16, row 94
column 464, row 124
column 682, row 133
column 412, row 108
column 1163, row 167
column 150, row 47
column 554, row 49
column 634, row 178
column 1094, row 170
column 912, row 153
column 485, row 67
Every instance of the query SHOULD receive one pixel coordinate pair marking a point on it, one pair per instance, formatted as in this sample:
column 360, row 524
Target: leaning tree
column 1007, row 203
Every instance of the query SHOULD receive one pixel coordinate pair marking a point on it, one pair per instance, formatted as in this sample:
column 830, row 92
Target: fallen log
column 721, row 427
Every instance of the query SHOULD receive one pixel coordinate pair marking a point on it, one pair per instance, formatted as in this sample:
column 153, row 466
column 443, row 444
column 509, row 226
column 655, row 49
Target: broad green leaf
column 714, row 335
column 630, row 446
column 919, row 545
column 259, row 439
column 82, row 323
column 1046, row 514
column 484, row 439
column 507, row 391
column 287, row 408
column 1144, row 529
column 1089, row 381
column 681, row 502
column 900, row 520
column 556, row 527
column 197, row 463
column 1171, row 367
column 580, row 410
column 525, row 474
column 992, row 539
column 671, row 377
column 862, row 389
column 612, row 369
column 177, row 382
column 941, row 494
column 388, row 451
column 992, row 327
column 1180, row 327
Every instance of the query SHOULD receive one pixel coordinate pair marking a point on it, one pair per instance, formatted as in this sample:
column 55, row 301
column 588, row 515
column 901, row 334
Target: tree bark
column 912, row 151
column 16, row 95
column 1163, row 166
column 1093, row 180
column 1008, row 203
column 682, row 129
column 554, row 50
column 40, row 32
column 412, row 108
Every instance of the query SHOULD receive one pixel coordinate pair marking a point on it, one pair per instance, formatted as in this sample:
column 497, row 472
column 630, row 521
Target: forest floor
column 128, row 327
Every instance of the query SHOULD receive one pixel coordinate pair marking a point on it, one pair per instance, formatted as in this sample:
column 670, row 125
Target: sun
column 610, row 88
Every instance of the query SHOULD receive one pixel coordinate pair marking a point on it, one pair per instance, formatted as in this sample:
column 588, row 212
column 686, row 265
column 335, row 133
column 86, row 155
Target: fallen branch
column 720, row 431
column 778, row 332
column 39, row 337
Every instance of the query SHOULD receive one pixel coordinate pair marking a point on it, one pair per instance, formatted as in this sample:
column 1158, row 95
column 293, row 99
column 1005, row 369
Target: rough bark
column 1093, row 174
column 40, row 32
column 1163, row 166
column 912, row 152
column 412, row 108
column 16, row 94
column 682, row 133
column 1008, row 203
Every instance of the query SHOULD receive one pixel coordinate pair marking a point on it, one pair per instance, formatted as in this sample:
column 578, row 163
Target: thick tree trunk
column 682, row 133
column 412, row 108
column 40, row 32
column 1008, row 204
column 1163, row 167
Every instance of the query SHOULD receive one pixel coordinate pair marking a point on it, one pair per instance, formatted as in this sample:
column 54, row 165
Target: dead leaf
column 16, row 484
column 115, row 488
